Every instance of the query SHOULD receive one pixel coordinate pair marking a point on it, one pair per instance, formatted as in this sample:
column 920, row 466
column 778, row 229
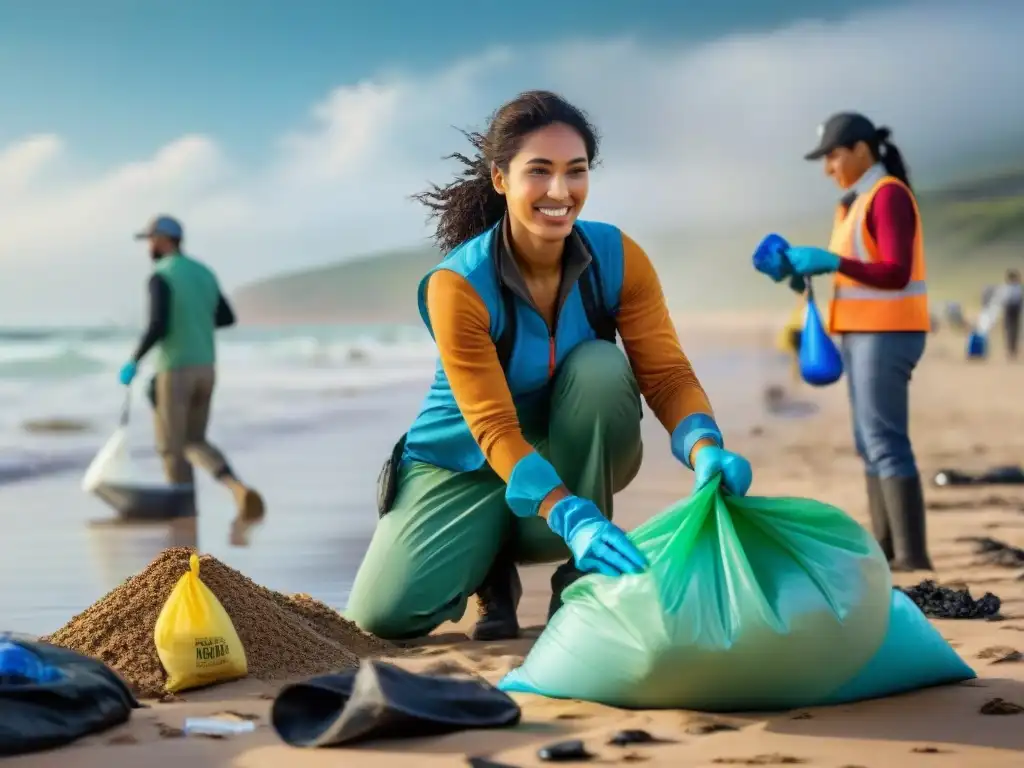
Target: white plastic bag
column 111, row 463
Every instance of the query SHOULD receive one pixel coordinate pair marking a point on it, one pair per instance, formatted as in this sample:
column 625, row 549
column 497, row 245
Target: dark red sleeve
column 892, row 222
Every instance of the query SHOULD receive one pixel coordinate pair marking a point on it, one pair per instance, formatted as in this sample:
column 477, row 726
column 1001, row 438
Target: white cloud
column 694, row 133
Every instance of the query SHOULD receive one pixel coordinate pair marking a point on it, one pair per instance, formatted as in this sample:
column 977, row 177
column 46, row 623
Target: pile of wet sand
column 283, row 636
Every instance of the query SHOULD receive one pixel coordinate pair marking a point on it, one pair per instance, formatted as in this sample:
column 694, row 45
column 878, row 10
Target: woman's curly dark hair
column 469, row 205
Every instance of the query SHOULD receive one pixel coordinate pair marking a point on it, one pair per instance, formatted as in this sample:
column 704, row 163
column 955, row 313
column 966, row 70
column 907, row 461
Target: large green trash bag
column 749, row 603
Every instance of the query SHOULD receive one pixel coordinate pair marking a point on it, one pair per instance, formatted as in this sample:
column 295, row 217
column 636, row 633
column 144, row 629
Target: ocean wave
column 12, row 334
column 29, row 353
column 63, row 362
column 34, row 455
column 271, row 380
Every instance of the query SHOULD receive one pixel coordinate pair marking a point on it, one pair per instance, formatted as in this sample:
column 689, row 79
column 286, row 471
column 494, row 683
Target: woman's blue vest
column 440, row 435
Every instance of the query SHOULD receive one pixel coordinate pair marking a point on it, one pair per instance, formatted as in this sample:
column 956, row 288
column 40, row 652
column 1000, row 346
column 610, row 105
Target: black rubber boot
column 879, row 517
column 564, row 575
column 498, row 598
column 904, row 502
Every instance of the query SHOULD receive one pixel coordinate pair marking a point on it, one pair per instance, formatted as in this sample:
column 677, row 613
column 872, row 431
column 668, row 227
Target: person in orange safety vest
column 880, row 310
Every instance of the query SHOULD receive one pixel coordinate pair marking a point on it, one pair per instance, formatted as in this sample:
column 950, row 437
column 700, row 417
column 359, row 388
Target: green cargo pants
column 432, row 551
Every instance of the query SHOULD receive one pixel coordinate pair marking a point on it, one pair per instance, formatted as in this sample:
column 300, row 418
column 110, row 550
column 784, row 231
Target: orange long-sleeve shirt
column 461, row 325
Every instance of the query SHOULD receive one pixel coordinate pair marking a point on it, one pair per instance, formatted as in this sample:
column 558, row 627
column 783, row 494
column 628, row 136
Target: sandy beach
column 966, row 416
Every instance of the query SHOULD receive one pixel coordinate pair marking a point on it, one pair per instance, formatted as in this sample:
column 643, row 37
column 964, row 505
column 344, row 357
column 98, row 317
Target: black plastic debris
column 1000, row 707
column 996, row 552
column 706, row 726
column 80, row 696
column 564, row 752
column 633, row 736
column 382, row 701
column 1010, row 475
column 484, row 762
column 946, row 603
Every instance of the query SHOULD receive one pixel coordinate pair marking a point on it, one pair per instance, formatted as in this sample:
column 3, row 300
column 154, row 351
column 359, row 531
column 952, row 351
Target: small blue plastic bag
column 977, row 346
column 770, row 258
column 821, row 363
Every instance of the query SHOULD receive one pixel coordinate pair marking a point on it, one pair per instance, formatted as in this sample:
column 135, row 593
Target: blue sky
column 288, row 135
column 125, row 75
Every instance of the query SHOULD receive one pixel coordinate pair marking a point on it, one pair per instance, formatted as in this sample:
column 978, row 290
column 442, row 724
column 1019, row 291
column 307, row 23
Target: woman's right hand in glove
column 596, row 543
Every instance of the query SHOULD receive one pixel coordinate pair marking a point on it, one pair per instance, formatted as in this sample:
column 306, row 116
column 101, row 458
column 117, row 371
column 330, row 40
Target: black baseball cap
column 842, row 130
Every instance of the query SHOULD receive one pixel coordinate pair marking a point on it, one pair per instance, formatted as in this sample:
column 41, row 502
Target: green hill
column 974, row 230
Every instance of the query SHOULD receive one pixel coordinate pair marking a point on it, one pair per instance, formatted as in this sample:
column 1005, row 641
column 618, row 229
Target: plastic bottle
column 214, row 726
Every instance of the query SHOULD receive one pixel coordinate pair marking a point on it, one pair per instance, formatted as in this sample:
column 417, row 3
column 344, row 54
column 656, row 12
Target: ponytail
column 467, row 206
column 889, row 155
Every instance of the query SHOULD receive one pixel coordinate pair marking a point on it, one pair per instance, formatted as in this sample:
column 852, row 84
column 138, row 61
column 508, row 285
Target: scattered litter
column 383, row 701
column 564, row 752
column 483, row 762
column 230, row 713
column 1000, row 654
column 217, row 727
column 636, row 736
column 1009, row 475
column 996, row 552
column 165, row 731
column 931, row 751
column 772, row 759
column 1000, row 707
column 122, row 740
column 945, row 603
column 704, row 726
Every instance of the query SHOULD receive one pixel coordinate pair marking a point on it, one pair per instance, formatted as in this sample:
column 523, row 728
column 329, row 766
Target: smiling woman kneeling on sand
column 533, row 420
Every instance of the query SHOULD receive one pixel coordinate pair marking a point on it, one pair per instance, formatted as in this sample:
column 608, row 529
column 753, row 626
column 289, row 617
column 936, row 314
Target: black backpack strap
column 600, row 319
column 507, row 339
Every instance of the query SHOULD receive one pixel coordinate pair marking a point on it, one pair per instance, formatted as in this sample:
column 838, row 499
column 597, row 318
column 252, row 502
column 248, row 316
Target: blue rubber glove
column 808, row 260
column 128, row 371
column 596, row 543
column 734, row 469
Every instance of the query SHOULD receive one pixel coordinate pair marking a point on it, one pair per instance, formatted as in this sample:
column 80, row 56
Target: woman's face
column 546, row 183
column 844, row 166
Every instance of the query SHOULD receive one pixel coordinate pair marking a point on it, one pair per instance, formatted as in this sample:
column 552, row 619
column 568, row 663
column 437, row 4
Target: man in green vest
column 186, row 307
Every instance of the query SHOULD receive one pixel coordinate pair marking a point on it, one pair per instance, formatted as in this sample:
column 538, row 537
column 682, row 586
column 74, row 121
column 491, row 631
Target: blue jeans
column 878, row 370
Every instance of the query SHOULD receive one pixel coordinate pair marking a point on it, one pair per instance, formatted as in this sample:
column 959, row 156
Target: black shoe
column 564, row 575
column 498, row 598
column 879, row 517
column 904, row 503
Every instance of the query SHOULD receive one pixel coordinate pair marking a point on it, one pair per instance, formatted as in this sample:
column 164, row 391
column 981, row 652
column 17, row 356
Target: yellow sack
column 795, row 323
column 194, row 636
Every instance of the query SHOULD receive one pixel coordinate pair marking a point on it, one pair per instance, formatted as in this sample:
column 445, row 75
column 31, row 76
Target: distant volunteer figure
column 1012, row 297
column 186, row 307
column 533, row 420
column 880, row 309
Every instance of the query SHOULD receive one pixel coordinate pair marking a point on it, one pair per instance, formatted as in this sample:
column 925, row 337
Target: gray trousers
column 879, row 367
column 181, row 410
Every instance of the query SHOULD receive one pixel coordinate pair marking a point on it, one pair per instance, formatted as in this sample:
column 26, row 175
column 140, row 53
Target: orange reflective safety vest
column 860, row 308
